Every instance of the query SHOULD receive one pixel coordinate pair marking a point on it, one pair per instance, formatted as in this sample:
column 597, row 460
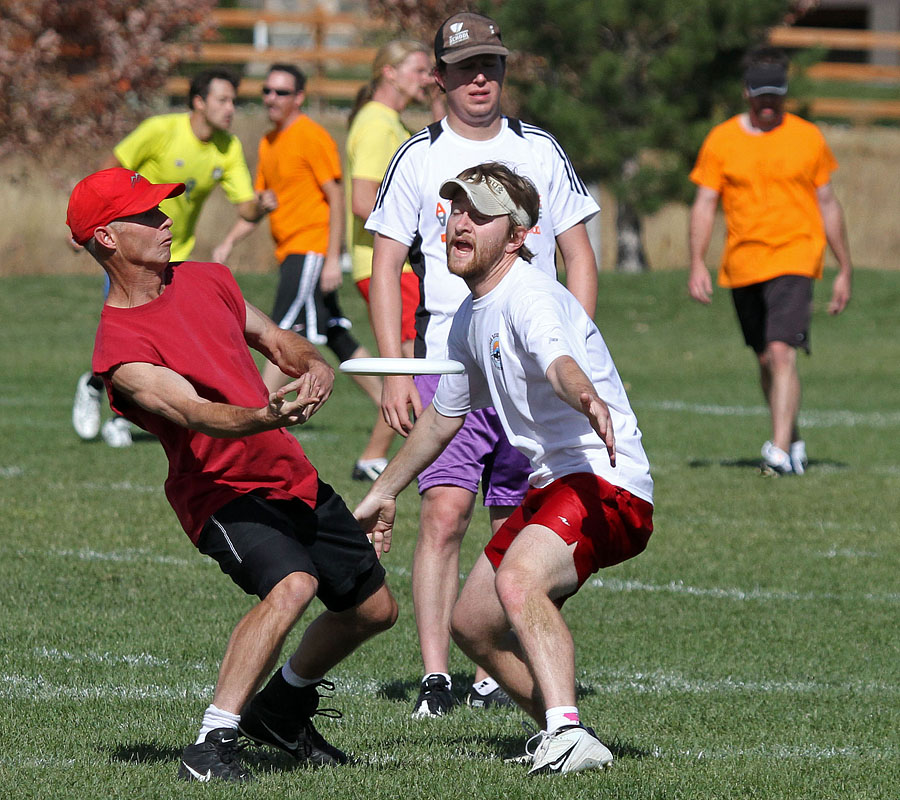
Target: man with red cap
column 172, row 349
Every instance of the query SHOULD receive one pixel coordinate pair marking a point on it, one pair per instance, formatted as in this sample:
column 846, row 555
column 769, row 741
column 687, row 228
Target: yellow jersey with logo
column 164, row 149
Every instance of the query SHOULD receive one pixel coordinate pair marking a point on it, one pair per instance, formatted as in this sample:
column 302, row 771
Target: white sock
column 443, row 674
column 486, row 686
column 215, row 717
column 293, row 679
column 372, row 462
column 560, row 716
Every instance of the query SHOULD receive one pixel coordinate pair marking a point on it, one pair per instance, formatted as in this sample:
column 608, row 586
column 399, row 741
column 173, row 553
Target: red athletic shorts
column 409, row 295
column 606, row 523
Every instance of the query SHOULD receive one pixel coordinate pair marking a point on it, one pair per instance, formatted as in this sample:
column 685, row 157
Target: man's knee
column 779, row 355
column 292, row 593
column 446, row 513
column 378, row 612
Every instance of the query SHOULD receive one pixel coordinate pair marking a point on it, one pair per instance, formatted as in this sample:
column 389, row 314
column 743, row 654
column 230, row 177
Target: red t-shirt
column 196, row 328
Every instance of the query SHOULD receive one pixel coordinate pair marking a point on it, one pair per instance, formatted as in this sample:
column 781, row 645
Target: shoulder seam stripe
column 575, row 181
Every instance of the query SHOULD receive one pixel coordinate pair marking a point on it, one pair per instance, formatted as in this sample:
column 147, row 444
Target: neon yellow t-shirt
column 373, row 138
column 164, row 149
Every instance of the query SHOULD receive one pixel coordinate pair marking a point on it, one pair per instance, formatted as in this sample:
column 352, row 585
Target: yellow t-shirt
column 372, row 140
column 767, row 182
column 164, row 149
column 295, row 163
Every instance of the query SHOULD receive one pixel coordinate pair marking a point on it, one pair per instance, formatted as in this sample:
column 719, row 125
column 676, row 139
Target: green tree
column 630, row 88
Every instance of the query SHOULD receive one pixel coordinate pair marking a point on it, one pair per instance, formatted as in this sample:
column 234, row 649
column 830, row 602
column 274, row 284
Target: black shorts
column 258, row 542
column 777, row 310
column 301, row 307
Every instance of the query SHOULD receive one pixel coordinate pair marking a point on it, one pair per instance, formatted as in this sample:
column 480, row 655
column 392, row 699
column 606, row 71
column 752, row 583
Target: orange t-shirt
column 768, row 182
column 295, row 163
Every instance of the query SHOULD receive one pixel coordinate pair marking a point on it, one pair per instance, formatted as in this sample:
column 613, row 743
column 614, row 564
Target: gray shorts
column 479, row 453
column 777, row 310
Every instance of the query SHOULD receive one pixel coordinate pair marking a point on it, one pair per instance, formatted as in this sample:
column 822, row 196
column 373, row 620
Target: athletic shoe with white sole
column 569, row 749
column 86, row 408
column 775, row 460
column 116, row 432
column 368, row 470
column 494, row 699
column 281, row 716
column 799, row 461
column 435, row 697
column 214, row 758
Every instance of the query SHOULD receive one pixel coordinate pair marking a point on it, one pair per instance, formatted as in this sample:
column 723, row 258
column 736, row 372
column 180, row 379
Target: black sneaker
column 495, row 699
column 216, row 757
column 435, row 698
column 281, row 716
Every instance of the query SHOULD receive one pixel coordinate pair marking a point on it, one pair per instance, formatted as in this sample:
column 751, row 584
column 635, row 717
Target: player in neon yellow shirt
column 196, row 149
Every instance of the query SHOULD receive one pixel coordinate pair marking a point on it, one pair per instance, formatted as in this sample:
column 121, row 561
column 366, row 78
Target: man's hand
column 281, row 412
column 597, row 413
column 375, row 515
column 700, row 284
column 840, row 292
column 331, row 278
column 266, row 202
column 398, row 395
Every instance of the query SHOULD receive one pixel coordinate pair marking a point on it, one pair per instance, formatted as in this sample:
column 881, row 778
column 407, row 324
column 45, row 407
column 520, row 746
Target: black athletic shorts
column 777, row 310
column 301, row 307
column 258, row 542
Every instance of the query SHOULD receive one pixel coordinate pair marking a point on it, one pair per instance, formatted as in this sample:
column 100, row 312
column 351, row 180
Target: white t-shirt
column 507, row 339
column 410, row 210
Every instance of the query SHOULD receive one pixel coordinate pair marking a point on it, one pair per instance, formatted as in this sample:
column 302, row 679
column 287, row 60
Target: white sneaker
column 368, row 470
column 799, row 460
column 117, row 432
column 569, row 749
column 86, row 409
column 776, row 461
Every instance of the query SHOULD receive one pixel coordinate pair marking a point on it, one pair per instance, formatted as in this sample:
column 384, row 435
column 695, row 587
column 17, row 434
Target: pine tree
column 631, row 87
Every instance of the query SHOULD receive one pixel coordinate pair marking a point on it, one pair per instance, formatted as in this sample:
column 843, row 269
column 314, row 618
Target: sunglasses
column 267, row 90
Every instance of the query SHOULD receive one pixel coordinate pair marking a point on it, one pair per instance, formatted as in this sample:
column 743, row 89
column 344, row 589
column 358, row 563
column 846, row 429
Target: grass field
column 751, row 652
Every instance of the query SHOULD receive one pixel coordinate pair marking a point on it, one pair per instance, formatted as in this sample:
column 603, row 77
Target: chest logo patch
column 494, row 347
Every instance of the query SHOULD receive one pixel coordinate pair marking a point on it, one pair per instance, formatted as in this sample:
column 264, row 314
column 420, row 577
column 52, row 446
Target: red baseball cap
column 110, row 194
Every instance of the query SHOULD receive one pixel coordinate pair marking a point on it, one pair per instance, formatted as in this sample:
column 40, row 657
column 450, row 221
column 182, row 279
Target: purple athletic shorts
column 479, row 452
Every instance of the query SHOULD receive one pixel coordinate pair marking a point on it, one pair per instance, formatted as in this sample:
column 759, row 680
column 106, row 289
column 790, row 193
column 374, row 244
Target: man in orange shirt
column 299, row 161
column 773, row 171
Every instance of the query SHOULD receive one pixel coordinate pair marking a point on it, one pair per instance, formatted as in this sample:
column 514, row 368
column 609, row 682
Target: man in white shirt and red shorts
column 532, row 352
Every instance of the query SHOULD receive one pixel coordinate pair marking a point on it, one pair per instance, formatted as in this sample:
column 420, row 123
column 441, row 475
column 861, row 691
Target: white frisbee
column 402, row 366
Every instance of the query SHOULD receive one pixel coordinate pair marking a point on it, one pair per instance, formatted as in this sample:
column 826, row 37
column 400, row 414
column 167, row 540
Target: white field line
column 129, row 659
column 604, row 681
column 770, row 752
column 733, row 593
column 615, row 681
column 11, row 472
column 128, row 555
column 810, row 418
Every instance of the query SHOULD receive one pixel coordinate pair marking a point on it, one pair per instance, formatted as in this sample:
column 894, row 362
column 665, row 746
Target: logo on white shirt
column 495, row 351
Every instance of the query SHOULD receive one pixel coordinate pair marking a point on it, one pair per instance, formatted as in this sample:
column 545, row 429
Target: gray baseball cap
column 766, row 78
